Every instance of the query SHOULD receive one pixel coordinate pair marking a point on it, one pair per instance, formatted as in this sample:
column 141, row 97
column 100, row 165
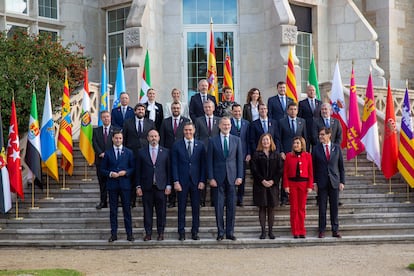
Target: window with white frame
column 12, row 28
column 115, row 38
column 53, row 34
column 196, row 19
column 17, row 6
column 48, row 8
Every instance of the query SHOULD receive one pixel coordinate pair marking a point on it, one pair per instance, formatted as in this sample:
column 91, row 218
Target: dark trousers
column 126, row 209
column 150, row 199
column 333, row 195
column 225, row 195
column 102, row 186
column 192, row 190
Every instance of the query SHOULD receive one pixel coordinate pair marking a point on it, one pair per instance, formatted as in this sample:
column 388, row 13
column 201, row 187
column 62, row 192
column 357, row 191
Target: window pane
column 48, row 8
column 52, row 34
column 303, row 52
column 201, row 11
column 12, row 29
column 17, row 6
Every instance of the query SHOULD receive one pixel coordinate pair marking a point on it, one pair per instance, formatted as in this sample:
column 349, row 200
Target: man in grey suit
column 327, row 121
column 206, row 127
column 225, row 172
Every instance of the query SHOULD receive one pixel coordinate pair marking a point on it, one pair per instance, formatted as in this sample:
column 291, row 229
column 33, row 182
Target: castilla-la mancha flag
column 13, row 155
column 369, row 130
column 390, row 145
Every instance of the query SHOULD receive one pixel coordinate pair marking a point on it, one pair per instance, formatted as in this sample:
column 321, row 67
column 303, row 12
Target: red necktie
column 327, row 153
column 175, row 126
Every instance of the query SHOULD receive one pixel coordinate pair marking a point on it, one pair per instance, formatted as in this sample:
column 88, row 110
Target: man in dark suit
column 329, row 178
column 206, row 127
column 278, row 104
column 189, row 177
column 171, row 131
column 117, row 166
column 240, row 128
column 310, row 109
column 102, row 141
column 196, row 102
column 154, row 110
column 263, row 125
column 153, row 183
column 325, row 120
column 225, row 172
column 121, row 113
column 135, row 136
column 290, row 127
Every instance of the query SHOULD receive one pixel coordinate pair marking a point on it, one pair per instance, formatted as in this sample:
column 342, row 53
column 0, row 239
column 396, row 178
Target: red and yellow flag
column 64, row 143
column 212, row 68
column 228, row 75
column 85, row 137
column 291, row 78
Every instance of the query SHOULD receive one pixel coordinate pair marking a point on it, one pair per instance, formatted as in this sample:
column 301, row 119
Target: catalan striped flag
column 119, row 82
column 146, row 80
column 13, row 155
column 47, row 138
column 104, row 102
column 291, row 78
column 228, row 75
column 85, row 137
column 354, row 145
column 5, row 195
column 389, row 157
column 405, row 162
column 64, row 143
column 369, row 130
column 212, row 68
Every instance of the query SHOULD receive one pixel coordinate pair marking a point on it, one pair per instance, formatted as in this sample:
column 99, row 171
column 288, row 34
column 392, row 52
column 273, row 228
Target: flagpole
column 390, row 192
column 373, row 172
column 48, row 197
column 356, row 167
column 86, row 179
column 33, row 194
column 64, row 188
column 17, row 209
column 408, row 195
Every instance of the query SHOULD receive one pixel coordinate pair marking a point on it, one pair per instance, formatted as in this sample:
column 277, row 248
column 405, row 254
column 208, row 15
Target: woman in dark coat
column 251, row 108
column 267, row 167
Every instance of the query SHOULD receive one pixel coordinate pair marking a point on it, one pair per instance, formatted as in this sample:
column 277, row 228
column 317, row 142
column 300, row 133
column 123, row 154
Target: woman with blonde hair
column 298, row 182
column 266, row 166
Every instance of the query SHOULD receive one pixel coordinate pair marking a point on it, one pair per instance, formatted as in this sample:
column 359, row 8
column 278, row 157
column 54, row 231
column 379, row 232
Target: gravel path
column 316, row 260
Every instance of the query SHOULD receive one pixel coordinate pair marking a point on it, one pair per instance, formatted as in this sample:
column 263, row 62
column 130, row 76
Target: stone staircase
column 369, row 215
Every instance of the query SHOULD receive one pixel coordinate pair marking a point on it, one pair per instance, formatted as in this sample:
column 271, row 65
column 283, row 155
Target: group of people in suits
column 166, row 157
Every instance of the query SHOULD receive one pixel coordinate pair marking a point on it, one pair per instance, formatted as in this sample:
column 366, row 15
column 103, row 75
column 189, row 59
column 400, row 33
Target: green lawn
column 41, row 272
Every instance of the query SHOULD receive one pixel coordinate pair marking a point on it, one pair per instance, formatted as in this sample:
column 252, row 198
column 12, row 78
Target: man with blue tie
column 278, row 104
column 120, row 113
column 118, row 165
column 240, row 128
column 189, row 178
column 153, row 183
column 225, row 172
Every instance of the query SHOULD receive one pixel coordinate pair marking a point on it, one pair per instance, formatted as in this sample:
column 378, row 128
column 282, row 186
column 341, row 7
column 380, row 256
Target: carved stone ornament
column 133, row 37
column 289, row 34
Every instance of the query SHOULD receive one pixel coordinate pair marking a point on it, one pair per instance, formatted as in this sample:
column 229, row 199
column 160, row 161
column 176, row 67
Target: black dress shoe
column 181, row 237
column 240, row 204
column 336, row 235
column 302, row 236
column 130, row 238
column 220, row 238
column 112, row 238
column 101, row 205
column 195, row 237
column 171, row 205
column 296, row 237
column 321, row 235
column 202, row 204
column 147, row 238
column 262, row 236
column 233, row 238
column 271, row 236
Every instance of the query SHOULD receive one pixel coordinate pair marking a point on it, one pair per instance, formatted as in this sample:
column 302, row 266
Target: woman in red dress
column 298, row 182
